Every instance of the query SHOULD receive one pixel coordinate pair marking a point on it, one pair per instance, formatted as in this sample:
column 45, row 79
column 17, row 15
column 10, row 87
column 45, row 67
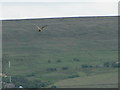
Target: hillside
column 33, row 54
column 105, row 81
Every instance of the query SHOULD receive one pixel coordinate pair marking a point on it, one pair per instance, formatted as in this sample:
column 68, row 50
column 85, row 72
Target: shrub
column 51, row 69
column 107, row 64
column 76, row 59
column 49, row 61
column 53, row 86
column 65, row 68
column 59, row 61
column 86, row 66
column 73, row 76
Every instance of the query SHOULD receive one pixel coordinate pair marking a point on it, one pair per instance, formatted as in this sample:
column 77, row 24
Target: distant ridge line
column 56, row 18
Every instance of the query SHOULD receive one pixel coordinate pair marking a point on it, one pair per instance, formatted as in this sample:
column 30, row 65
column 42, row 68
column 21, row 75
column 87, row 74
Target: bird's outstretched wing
column 43, row 27
column 37, row 26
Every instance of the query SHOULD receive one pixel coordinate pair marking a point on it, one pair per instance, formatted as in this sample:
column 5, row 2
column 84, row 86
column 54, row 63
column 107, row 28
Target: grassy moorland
column 62, row 50
column 100, row 81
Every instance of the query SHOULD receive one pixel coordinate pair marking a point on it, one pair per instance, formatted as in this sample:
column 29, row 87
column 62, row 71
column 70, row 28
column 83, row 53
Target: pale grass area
column 97, row 81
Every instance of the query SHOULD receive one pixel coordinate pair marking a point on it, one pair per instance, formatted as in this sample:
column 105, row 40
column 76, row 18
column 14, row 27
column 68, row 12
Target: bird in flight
column 40, row 28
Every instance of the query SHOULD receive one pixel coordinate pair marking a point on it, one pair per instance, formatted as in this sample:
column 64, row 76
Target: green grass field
column 91, row 40
column 96, row 81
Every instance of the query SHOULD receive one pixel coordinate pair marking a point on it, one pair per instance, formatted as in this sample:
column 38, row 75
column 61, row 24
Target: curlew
column 40, row 28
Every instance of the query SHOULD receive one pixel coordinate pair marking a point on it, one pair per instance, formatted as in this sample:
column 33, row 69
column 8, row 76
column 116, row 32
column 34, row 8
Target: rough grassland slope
column 92, row 40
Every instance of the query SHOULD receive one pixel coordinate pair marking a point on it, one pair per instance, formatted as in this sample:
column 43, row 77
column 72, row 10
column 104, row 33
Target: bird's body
column 40, row 28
